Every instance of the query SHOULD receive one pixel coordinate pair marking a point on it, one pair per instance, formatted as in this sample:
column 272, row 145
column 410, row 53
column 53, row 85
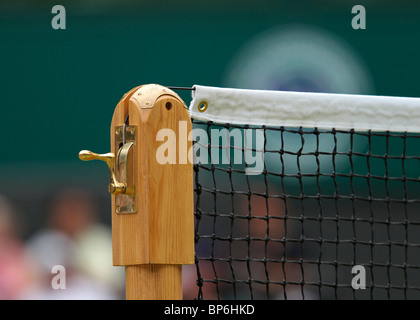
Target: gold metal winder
column 121, row 168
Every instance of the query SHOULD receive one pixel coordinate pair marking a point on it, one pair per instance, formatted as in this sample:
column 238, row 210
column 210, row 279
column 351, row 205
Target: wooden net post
column 152, row 191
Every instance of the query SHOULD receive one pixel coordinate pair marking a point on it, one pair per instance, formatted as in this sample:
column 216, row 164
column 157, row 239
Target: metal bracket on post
column 126, row 203
column 121, row 169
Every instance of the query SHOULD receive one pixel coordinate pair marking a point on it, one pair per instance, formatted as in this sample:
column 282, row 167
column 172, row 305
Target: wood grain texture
column 125, row 226
column 162, row 230
column 154, row 282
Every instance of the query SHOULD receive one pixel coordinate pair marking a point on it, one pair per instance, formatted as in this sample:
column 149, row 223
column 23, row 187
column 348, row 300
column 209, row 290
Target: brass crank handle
column 114, row 187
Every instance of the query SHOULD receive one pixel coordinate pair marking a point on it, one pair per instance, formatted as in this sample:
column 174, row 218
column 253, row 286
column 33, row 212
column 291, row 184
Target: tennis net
column 306, row 195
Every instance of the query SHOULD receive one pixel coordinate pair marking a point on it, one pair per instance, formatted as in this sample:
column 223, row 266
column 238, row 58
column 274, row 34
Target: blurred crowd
column 241, row 251
column 73, row 239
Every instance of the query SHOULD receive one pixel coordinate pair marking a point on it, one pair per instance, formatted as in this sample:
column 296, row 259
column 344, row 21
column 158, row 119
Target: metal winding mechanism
column 121, row 168
column 114, row 187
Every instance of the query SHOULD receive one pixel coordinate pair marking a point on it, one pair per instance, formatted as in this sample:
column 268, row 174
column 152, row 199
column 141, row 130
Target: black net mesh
column 321, row 203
